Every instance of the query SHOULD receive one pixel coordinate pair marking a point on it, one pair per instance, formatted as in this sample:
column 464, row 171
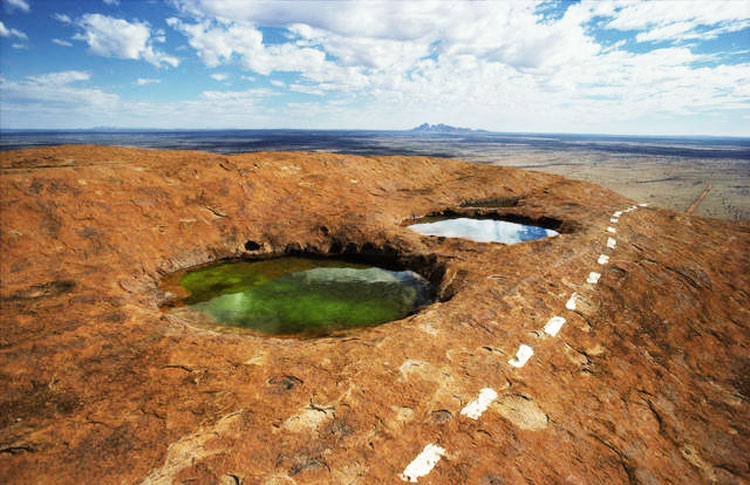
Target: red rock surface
column 647, row 382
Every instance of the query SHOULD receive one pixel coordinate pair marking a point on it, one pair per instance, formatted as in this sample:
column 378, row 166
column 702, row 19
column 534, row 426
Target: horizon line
column 460, row 131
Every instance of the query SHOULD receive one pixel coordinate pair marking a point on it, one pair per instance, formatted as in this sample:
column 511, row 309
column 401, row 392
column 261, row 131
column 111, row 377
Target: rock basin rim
column 386, row 256
column 179, row 296
column 646, row 382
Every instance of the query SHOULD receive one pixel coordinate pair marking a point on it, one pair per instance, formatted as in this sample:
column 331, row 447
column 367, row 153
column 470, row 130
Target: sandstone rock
column 646, row 382
column 522, row 411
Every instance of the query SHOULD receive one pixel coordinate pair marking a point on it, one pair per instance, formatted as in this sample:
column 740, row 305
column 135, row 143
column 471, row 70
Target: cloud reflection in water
column 483, row 230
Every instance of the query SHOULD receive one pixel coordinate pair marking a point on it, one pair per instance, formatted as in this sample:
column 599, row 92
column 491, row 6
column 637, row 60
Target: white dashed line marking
column 553, row 326
column 475, row 408
column 431, row 454
column 571, row 304
column 423, row 464
column 522, row 356
column 593, row 277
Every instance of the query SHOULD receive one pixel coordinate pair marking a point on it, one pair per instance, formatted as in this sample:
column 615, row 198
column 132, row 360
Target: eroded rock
column 645, row 382
column 522, row 411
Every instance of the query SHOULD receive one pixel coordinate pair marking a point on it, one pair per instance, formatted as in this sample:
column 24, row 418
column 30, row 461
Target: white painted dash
column 571, row 304
column 476, row 407
column 522, row 356
column 611, row 243
column 593, row 278
column 645, row 204
column 603, row 259
column 423, row 463
column 611, row 230
column 617, row 214
column 613, row 220
column 553, row 326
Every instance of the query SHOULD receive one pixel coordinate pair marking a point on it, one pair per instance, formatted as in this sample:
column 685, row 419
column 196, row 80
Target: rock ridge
column 646, row 381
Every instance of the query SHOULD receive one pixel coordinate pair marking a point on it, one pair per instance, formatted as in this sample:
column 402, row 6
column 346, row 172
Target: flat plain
column 668, row 182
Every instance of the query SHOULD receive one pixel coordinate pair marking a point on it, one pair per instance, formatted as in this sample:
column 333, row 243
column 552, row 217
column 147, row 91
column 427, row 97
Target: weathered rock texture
column 647, row 382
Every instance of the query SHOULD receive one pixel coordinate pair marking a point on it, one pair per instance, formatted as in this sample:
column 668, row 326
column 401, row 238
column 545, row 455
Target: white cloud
column 56, row 90
column 59, row 78
column 6, row 32
column 142, row 81
column 680, row 20
column 220, row 76
column 57, row 100
column 160, row 36
column 63, row 18
column 499, row 64
column 384, row 19
column 641, row 15
column 22, row 5
column 65, row 100
column 20, row 46
column 218, row 44
column 367, row 52
column 377, row 34
column 494, row 64
column 112, row 2
column 301, row 88
column 61, row 42
column 248, row 94
column 118, row 38
column 367, row 37
column 214, row 109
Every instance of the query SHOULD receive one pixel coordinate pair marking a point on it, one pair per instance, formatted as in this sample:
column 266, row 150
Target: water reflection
column 483, row 230
column 312, row 297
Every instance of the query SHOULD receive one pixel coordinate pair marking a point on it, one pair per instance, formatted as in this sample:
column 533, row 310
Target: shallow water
column 483, row 230
column 311, row 297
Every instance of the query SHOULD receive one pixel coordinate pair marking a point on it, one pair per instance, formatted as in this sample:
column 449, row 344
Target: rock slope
column 646, row 380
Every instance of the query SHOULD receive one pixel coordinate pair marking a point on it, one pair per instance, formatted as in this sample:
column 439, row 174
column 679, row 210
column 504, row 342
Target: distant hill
column 441, row 128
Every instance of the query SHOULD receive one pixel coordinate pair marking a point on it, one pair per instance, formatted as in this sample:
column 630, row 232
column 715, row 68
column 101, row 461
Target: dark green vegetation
column 307, row 296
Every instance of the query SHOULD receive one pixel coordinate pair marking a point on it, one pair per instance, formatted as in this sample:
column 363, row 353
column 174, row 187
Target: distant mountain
column 441, row 128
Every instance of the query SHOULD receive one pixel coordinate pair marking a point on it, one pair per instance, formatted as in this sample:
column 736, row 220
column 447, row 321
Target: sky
column 664, row 67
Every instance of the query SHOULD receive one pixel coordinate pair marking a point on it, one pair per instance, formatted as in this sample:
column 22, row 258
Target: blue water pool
column 483, row 230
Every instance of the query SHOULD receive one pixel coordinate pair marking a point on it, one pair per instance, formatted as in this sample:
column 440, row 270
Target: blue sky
column 625, row 67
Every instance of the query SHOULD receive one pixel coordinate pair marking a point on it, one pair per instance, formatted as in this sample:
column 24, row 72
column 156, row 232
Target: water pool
column 298, row 295
column 483, row 230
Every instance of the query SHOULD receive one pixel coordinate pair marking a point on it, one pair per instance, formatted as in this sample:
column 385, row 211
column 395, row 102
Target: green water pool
column 298, row 295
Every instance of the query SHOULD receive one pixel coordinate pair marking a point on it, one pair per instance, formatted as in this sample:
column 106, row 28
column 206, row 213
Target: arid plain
column 669, row 182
